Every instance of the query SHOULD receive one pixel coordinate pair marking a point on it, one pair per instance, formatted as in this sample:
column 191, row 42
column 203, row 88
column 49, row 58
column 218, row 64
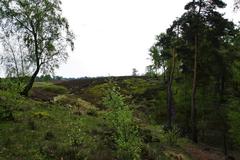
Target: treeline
column 199, row 59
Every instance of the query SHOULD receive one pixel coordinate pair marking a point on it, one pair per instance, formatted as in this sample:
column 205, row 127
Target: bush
column 6, row 115
column 11, row 85
column 172, row 136
column 120, row 118
column 8, row 105
column 82, row 144
column 233, row 120
column 136, row 86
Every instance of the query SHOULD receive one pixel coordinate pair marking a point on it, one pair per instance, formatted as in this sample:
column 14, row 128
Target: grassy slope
column 39, row 130
column 43, row 130
column 46, row 90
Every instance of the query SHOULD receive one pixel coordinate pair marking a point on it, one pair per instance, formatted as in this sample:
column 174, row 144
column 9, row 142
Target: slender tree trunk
column 32, row 79
column 30, row 83
column 169, row 92
column 22, row 62
column 225, row 143
column 193, row 100
column 14, row 58
column 187, row 126
column 164, row 74
column 224, row 132
column 15, row 63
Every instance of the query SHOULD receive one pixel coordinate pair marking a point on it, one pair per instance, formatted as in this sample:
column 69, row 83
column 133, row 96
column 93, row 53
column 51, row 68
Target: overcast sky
column 114, row 36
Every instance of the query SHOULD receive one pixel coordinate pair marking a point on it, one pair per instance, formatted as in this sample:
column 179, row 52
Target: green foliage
column 80, row 139
column 8, row 99
column 11, row 85
column 172, row 136
column 41, row 115
column 6, row 114
column 77, row 105
column 45, row 78
column 151, row 71
column 135, row 86
column 42, row 29
column 166, row 137
column 234, row 117
column 64, row 99
column 120, row 118
column 98, row 90
column 40, row 130
column 206, row 69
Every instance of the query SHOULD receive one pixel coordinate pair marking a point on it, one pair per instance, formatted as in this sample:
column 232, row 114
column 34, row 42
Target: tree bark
column 193, row 99
column 225, row 128
column 169, row 92
column 30, row 83
column 32, row 79
column 15, row 61
column 164, row 74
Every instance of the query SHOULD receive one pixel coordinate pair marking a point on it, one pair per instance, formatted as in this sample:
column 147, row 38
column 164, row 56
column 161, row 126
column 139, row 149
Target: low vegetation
column 69, row 127
column 50, row 87
column 120, row 117
column 186, row 107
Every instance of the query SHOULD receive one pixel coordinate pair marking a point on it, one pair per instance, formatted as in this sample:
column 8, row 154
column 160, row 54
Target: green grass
column 53, row 131
column 50, row 87
column 42, row 131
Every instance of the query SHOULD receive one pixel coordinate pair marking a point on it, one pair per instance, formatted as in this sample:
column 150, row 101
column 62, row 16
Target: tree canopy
column 45, row 32
column 198, row 50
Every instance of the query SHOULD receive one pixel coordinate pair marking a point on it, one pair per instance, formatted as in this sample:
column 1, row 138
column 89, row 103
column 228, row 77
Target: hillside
column 67, row 120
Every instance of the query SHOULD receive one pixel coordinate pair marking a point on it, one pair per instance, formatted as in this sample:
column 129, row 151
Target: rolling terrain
column 66, row 120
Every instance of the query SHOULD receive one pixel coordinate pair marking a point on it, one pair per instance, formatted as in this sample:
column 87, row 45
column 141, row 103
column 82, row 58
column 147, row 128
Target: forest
column 185, row 107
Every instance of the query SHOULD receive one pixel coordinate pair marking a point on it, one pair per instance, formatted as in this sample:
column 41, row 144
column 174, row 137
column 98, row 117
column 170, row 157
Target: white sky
column 114, row 36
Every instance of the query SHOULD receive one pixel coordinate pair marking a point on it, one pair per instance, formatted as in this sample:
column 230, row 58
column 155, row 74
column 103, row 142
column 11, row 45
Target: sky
column 114, row 36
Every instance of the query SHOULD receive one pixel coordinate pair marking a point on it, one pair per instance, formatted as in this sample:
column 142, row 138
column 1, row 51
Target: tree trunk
column 225, row 143
column 30, row 83
column 193, row 100
column 22, row 62
column 169, row 92
column 15, row 63
column 187, row 125
column 225, row 128
column 164, row 74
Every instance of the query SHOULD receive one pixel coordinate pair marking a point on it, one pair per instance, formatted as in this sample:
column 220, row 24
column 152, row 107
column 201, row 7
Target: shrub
column 98, row 90
column 233, row 120
column 6, row 115
column 136, row 86
column 172, row 136
column 82, row 144
column 49, row 135
column 120, row 118
column 11, row 84
column 8, row 105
